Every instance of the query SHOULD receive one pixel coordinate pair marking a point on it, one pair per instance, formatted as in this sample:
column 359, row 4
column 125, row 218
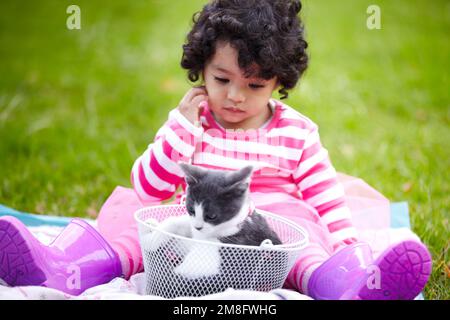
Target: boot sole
column 403, row 269
column 19, row 262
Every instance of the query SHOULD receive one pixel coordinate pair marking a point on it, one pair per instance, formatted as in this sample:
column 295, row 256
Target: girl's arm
column 155, row 175
column 317, row 180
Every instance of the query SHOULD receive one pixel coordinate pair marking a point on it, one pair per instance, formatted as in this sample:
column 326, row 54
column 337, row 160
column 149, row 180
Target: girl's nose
column 235, row 95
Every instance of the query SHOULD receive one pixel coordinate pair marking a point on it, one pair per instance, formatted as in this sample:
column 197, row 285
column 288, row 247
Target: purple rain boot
column 78, row 259
column 399, row 273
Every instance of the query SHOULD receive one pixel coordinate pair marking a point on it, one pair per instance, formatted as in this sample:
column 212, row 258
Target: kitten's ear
column 236, row 190
column 192, row 173
column 239, row 181
column 241, row 176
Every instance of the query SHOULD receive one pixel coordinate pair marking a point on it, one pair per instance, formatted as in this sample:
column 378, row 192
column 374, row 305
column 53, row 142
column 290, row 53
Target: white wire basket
column 216, row 266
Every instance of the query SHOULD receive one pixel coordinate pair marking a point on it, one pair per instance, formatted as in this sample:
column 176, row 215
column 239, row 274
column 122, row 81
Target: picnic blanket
column 46, row 228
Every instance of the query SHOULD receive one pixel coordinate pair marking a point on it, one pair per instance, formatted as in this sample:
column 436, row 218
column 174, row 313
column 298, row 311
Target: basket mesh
column 240, row 267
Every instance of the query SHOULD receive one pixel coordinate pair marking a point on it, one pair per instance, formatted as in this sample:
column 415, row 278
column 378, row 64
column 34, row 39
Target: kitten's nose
column 199, row 228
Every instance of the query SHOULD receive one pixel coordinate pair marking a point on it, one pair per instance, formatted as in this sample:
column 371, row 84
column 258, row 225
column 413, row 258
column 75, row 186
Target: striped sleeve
column 318, row 184
column 156, row 175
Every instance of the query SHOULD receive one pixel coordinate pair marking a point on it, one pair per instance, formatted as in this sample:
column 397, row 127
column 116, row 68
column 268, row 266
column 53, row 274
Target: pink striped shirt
column 286, row 153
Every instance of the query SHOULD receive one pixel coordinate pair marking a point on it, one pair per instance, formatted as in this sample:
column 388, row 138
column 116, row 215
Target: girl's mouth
column 233, row 110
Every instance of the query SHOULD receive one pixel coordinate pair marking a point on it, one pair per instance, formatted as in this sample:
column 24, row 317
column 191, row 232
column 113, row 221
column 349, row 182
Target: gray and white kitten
column 218, row 206
column 218, row 202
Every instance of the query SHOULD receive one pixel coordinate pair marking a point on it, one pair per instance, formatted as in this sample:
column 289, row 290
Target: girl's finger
column 186, row 97
column 197, row 91
column 197, row 99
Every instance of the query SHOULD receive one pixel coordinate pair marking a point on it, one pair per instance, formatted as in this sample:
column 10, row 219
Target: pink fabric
column 370, row 209
column 128, row 248
column 117, row 212
column 116, row 223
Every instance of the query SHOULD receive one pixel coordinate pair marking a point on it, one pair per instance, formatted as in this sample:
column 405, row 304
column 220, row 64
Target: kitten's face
column 216, row 200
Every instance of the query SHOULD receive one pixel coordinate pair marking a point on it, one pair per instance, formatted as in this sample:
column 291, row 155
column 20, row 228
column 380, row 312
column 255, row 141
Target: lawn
column 77, row 107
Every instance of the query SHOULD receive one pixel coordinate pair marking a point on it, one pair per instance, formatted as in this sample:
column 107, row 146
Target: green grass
column 77, row 107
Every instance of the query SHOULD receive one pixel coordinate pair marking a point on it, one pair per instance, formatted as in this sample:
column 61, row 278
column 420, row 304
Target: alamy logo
column 74, row 20
column 74, row 280
column 374, row 280
column 374, row 19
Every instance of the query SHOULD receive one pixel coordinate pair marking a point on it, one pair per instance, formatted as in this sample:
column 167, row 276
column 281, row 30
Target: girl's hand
column 190, row 106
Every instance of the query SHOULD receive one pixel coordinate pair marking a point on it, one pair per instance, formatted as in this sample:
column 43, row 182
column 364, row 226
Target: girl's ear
column 192, row 173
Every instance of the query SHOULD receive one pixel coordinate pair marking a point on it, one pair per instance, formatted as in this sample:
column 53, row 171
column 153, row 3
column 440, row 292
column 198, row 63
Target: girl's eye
column 221, row 80
column 256, row 86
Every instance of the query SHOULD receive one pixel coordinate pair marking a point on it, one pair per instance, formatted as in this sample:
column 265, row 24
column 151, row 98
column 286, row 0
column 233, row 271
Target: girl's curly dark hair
column 266, row 32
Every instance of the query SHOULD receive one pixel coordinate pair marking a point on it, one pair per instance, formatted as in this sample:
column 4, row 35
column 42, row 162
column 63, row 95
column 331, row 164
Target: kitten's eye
column 211, row 216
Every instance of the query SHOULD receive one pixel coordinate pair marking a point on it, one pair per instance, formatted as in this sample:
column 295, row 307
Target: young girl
column 241, row 51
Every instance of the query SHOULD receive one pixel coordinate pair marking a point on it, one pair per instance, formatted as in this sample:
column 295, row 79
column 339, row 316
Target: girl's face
column 237, row 102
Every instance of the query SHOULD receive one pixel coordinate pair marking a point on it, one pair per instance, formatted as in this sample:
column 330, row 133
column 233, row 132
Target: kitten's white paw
column 201, row 261
column 196, row 270
column 266, row 243
column 154, row 240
